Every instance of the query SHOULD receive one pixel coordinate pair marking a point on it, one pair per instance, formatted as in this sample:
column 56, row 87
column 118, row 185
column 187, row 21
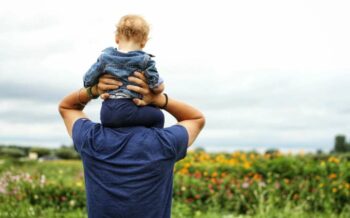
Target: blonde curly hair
column 133, row 28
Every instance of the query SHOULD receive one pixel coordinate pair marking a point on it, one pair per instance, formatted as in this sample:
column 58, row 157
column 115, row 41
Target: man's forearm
column 74, row 101
column 71, row 107
column 180, row 110
column 189, row 117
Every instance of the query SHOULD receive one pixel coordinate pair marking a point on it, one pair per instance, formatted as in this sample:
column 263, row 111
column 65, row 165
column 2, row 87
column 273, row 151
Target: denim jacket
column 123, row 65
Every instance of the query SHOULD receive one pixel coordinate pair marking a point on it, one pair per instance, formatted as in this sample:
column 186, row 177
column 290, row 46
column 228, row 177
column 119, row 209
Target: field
column 206, row 185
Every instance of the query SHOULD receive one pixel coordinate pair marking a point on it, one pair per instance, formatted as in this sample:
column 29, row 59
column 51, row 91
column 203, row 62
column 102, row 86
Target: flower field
column 205, row 185
column 250, row 183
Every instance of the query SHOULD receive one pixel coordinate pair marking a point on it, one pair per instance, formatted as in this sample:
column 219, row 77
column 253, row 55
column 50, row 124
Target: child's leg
column 110, row 117
column 148, row 116
column 123, row 112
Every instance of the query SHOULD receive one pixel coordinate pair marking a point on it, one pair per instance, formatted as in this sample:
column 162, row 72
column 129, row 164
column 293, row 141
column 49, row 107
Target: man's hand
column 109, row 82
column 105, row 83
column 142, row 88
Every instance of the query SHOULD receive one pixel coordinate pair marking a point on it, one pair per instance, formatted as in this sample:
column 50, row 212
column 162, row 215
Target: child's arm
column 152, row 75
column 95, row 71
column 154, row 81
column 158, row 89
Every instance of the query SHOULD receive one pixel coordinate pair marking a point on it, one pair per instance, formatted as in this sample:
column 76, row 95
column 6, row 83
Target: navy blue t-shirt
column 129, row 171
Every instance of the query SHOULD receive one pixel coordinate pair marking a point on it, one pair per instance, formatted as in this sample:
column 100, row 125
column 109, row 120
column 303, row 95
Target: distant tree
column 12, row 152
column 40, row 151
column 340, row 145
column 272, row 151
column 319, row 151
column 25, row 149
column 67, row 153
column 199, row 149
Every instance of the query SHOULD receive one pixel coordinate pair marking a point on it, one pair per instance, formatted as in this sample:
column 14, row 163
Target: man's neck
column 126, row 46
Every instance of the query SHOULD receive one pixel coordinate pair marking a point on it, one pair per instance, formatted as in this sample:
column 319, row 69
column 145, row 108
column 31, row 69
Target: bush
column 41, row 151
column 67, row 153
column 12, row 152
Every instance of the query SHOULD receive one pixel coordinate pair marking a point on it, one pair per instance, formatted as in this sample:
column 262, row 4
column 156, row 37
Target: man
column 129, row 171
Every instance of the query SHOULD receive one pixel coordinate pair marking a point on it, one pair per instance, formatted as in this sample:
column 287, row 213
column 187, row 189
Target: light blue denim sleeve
column 151, row 74
column 96, row 70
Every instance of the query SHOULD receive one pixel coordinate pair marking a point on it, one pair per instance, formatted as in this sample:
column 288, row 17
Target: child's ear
column 117, row 39
column 143, row 44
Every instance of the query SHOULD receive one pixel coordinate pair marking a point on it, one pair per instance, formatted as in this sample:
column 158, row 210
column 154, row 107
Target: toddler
column 119, row 110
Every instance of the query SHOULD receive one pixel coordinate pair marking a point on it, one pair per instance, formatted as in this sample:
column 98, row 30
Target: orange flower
column 332, row 176
column 257, row 177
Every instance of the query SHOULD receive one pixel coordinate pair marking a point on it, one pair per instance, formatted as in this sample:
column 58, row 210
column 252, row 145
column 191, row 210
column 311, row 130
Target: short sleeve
column 177, row 140
column 81, row 129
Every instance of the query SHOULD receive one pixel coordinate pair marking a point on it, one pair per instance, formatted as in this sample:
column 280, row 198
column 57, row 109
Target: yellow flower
column 333, row 160
column 321, row 185
column 334, row 190
column 323, row 164
column 247, row 165
column 347, row 185
column 187, row 165
column 251, row 156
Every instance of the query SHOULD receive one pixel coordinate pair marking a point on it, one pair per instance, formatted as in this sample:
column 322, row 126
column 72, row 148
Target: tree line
column 16, row 151
column 68, row 152
column 341, row 145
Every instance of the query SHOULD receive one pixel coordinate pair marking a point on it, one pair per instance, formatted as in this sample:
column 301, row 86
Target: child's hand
column 107, row 82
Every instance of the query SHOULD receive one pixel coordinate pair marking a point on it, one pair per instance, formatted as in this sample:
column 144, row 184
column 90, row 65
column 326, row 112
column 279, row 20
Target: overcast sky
column 267, row 74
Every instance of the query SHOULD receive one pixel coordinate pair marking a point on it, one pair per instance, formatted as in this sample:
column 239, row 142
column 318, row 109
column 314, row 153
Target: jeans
column 123, row 112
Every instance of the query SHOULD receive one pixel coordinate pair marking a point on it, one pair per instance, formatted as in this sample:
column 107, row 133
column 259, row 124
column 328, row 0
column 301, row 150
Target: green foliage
column 340, row 145
column 40, row 151
column 67, row 153
column 11, row 152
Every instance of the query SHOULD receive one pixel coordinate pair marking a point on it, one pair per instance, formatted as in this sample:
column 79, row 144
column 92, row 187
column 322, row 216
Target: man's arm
column 187, row 116
column 71, row 107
